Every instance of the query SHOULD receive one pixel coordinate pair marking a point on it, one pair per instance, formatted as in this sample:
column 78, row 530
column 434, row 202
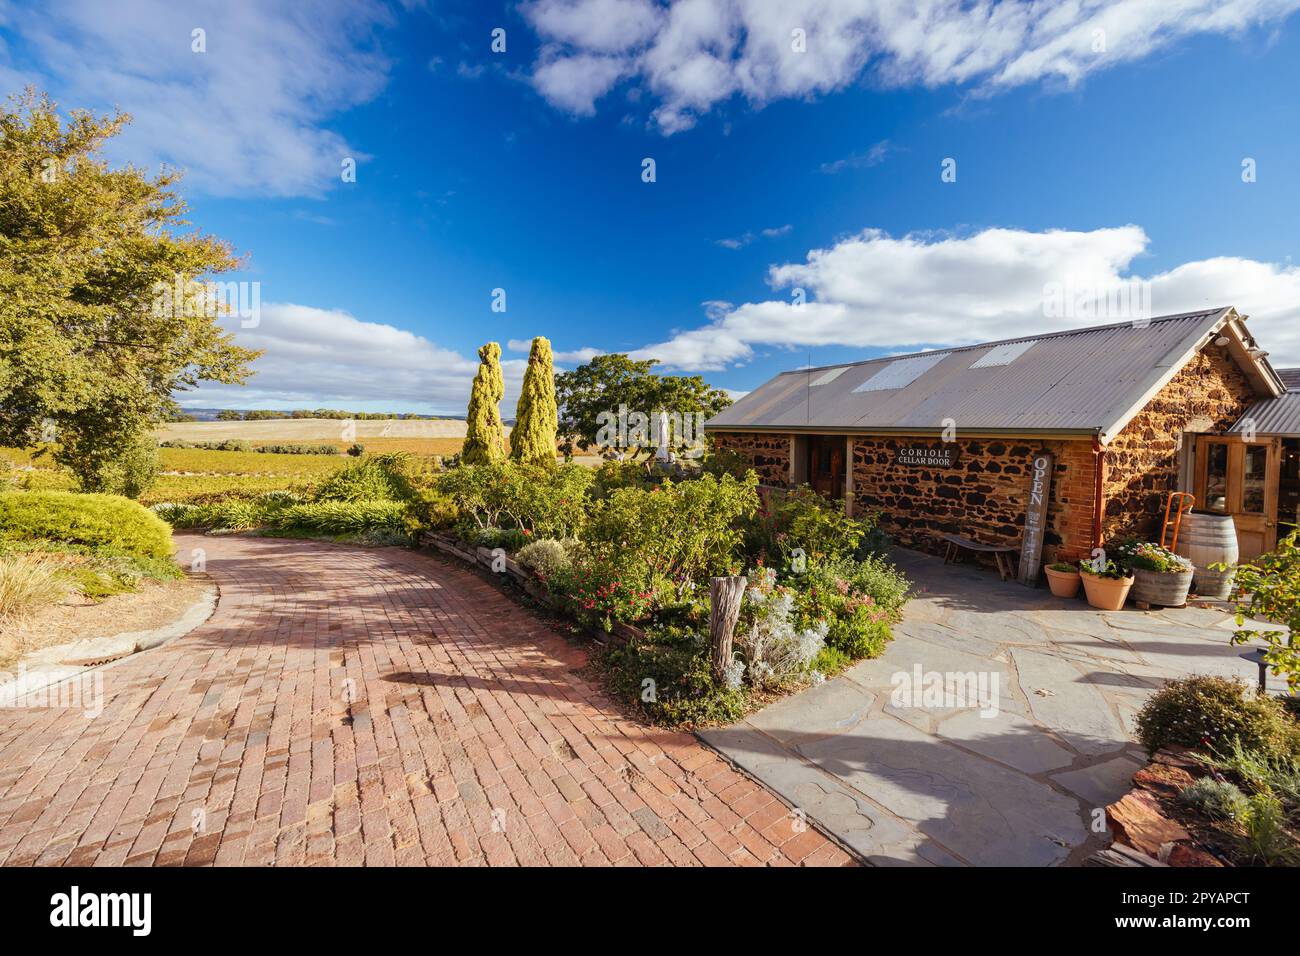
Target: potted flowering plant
column 1159, row 576
column 1105, row 583
column 1063, row 579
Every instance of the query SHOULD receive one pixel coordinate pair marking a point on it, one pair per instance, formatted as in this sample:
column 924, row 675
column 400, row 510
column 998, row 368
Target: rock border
column 1143, row 834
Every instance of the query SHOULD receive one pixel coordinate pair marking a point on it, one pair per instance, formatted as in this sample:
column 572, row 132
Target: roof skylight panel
column 901, row 372
column 1003, row 354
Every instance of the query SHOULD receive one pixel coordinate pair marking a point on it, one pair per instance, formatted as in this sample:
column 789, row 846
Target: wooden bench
column 1001, row 552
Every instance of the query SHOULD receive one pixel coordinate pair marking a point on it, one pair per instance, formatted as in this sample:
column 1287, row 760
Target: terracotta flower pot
column 1106, row 594
column 1064, row 584
column 1166, row 590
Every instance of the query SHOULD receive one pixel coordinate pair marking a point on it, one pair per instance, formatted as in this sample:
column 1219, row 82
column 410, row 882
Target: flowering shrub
column 858, row 601
column 1099, row 568
column 774, row 650
column 596, row 592
column 1145, row 556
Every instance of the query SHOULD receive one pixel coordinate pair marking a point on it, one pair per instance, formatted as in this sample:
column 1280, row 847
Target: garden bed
column 1223, row 784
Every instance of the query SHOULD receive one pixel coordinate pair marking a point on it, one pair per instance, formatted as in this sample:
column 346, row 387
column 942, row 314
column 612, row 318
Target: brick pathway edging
column 468, row 736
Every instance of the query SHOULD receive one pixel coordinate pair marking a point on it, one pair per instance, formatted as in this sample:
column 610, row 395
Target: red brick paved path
column 469, row 738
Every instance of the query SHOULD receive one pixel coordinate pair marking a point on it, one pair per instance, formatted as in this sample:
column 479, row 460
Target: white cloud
column 700, row 53
column 875, row 291
column 245, row 117
column 874, row 156
column 739, row 242
column 322, row 358
column 599, row 26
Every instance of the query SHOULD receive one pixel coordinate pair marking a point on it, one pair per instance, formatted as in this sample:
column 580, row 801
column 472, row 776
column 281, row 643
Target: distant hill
column 210, row 415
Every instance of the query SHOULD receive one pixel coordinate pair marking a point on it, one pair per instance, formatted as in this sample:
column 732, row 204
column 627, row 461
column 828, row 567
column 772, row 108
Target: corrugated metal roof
column 1273, row 416
column 1082, row 380
column 1290, row 378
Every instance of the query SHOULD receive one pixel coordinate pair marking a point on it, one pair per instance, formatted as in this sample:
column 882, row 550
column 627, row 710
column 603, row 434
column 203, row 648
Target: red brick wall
column 1209, row 394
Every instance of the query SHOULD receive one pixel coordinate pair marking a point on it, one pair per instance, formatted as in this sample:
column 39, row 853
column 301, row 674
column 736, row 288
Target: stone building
column 1118, row 416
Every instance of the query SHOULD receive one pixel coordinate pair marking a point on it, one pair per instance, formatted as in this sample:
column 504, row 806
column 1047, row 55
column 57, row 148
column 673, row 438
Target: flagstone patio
column 1022, row 780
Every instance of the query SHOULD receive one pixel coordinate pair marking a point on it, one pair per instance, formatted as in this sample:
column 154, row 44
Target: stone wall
column 1209, row 394
column 984, row 496
column 768, row 453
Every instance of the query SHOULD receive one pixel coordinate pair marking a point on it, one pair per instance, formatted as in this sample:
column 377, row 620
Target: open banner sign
column 1040, row 492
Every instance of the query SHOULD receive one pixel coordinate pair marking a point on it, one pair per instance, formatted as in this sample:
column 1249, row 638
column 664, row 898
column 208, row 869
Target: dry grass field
column 310, row 430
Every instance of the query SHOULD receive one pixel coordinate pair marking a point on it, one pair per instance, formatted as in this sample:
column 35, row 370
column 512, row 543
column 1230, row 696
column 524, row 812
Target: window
column 1003, row 354
column 1253, row 479
column 829, row 376
column 901, row 372
column 1216, row 478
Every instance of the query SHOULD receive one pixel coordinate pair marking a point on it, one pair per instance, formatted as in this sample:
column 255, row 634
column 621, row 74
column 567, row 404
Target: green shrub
column 377, row 478
column 226, row 444
column 667, row 676
column 103, row 464
column 669, row 538
column 598, row 593
column 1215, row 798
column 1268, row 588
column 342, row 517
column 356, row 449
column 1145, row 556
column 548, row 556
column 547, row 501
column 858, row 600
column 1267, row 840
column 800, row 527
column 1258, row 770
column 294, row 448
column 96, row 520
column 508, row 539
column 1209, row 713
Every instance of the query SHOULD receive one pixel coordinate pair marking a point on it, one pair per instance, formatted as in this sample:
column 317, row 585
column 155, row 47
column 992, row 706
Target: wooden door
column 1241, row 479
column 826, row 469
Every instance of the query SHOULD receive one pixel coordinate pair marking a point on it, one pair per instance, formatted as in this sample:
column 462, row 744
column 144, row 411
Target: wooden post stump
column 725, row 595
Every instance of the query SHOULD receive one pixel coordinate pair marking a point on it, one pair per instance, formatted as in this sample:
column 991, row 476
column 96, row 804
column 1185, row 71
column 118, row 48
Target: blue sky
column 775, row 169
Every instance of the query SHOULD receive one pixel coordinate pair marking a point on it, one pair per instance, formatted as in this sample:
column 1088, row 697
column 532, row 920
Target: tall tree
column 591, row 393
column 532, row 439
column 84, row 253
column 485, row 436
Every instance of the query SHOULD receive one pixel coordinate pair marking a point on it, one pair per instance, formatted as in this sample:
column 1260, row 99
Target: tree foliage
column 83, row 250
column 607, row 382
column 485, row 436
column 1269, row 588
column 532, row 440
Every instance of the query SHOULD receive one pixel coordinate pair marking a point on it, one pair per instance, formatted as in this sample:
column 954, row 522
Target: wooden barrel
column 1207, row 539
